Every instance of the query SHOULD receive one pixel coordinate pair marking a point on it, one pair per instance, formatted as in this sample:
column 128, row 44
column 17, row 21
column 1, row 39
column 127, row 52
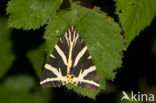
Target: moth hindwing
column 70, row 62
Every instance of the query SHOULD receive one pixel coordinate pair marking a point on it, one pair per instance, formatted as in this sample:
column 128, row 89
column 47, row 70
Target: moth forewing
column 70, row 62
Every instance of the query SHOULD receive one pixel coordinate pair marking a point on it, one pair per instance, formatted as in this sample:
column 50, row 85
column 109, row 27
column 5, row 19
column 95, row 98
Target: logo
column 137, row 97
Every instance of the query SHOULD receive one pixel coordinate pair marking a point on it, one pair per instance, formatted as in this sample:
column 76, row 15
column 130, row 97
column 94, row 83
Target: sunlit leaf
column 31, row 14
column 101, row 34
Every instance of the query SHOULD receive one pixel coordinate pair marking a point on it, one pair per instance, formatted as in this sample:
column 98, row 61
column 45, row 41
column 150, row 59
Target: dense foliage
column 101, row 33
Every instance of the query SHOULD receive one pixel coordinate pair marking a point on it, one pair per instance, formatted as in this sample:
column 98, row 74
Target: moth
column 70, row 62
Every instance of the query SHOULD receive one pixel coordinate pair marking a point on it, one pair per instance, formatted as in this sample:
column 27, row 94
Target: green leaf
column 102, row 36
column 134, row 16
column 37, row 58
column 31, row 14
column 23, row 89
column 6, row 54
column 153, row 46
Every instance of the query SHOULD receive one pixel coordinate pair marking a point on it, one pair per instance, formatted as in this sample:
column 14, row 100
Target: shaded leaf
column 31, row 14
column 36, row 56
column 6, row 54
column 135, row 15
column 153, row 46
column 19, row 90
column 101, row 34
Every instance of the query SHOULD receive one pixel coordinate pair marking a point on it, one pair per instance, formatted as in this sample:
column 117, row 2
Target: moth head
column 64, row 80
column 71, row 79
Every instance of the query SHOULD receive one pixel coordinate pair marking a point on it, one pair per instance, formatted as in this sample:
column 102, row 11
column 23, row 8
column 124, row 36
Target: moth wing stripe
column 69, row 58
column 49, row 80
column 81, row 40
column 81, row 53
column 77, row 36
column 86, row 71
column 89, row 57
column 74, row 36
column 51, row 55
column 52, row 69
column 90, row 82
column 66, row 38
column 69, row 35
column 61, row 54
column 55, row 71
column 61, row 40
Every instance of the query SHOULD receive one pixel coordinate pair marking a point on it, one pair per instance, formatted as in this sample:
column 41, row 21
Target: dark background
column 136, row 74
